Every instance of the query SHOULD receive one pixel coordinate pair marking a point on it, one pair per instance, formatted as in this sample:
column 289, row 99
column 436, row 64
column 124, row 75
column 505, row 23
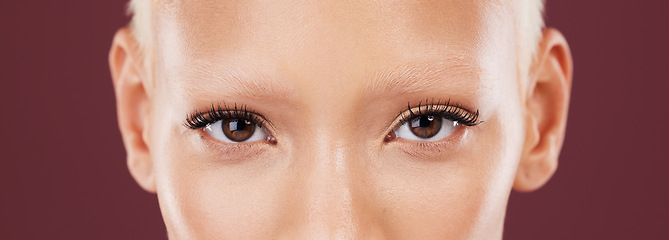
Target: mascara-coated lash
column 451, row 111
column 200, row 119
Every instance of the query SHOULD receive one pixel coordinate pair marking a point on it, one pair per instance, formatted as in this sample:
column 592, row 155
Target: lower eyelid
column 421, row 149
column 424, row 149
column 232, row 153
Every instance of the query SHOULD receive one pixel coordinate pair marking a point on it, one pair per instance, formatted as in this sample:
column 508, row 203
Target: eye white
column 215, row 130
column 447, row 128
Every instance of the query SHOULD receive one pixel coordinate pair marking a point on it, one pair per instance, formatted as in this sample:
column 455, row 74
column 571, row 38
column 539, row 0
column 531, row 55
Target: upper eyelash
column 200, row 119
column 452, row 112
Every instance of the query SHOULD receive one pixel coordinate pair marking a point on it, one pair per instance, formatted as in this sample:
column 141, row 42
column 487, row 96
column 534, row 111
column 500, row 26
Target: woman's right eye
column 235, row 130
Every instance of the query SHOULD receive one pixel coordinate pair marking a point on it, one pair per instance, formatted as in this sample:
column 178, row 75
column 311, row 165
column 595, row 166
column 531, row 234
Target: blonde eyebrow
column 422, row 77
column 225, row 83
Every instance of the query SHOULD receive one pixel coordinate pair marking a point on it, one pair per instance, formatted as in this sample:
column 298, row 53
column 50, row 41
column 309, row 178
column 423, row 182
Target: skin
column 330, row 78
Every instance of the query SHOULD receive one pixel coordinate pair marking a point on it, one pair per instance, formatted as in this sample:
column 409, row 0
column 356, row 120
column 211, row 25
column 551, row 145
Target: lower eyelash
column 200, row 119
column 424, row 149
column 447, row 110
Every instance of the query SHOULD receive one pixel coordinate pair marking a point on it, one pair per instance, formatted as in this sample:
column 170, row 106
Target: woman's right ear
column 132, row 103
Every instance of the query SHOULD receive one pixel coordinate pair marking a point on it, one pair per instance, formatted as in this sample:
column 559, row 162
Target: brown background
column 63, row 175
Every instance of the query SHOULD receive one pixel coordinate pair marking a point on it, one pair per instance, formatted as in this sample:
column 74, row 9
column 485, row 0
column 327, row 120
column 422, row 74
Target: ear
column 546, row 104
column 132, row 104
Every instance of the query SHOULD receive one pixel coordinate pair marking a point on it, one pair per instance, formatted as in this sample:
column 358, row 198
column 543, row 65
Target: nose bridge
column 327, row 153
column 327, row 187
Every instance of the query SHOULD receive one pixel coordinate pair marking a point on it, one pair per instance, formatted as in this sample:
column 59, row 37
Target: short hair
column 528, row 19
column 140, row 26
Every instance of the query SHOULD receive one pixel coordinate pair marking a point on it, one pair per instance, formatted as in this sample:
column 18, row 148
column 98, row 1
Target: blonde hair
column 140, row 26
column 529, row 27
column 528, row 17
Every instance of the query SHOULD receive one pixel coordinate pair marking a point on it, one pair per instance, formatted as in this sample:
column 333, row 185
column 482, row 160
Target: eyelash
column 199, row 119
column 452, row 112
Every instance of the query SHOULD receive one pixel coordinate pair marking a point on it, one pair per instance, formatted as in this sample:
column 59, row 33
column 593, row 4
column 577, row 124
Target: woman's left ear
column 546, row 107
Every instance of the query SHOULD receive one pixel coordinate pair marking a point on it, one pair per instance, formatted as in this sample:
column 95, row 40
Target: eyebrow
column 235, row 83
column 408, row 78
column 424, row 77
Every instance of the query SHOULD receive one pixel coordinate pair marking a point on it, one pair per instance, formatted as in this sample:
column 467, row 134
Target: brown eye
column 238, row 130
column 425, row 126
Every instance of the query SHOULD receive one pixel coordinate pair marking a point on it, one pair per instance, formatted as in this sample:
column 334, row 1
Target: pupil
column 426, row 121
column 236, row 126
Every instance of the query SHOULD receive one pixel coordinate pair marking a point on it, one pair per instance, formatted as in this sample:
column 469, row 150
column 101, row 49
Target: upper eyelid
column 445, row 107
column 199, row 119
column 217, row 112
column 473, row 116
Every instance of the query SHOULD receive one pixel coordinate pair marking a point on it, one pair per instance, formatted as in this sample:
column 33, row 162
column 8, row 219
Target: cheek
column 444, row 201
column 205, row 199
column 461, row 193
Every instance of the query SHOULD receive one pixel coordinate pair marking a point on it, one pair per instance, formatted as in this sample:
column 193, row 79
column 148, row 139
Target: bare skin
column 328, row 83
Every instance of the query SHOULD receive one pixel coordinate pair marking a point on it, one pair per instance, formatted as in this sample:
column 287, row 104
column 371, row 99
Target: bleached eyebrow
column 218, row 83
column 423, row 77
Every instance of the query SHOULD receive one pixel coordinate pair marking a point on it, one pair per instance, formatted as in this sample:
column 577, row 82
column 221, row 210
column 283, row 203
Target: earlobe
column 132, row 104
column 546, row 105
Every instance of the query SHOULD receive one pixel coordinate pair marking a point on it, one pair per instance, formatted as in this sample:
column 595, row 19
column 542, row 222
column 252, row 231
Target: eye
column 230, row 124
column 433, row 121
column 426, row 128
column 238, row 130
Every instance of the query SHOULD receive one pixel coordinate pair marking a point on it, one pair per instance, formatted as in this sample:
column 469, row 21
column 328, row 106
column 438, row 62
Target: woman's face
column 325, row 119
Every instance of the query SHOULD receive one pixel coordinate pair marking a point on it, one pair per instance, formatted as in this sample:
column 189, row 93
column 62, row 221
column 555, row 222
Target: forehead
column 338, row 39
column 291, row 23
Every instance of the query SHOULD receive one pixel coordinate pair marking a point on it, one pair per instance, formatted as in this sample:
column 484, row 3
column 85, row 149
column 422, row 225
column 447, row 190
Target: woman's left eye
column 233, row 130
column 426, row 128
